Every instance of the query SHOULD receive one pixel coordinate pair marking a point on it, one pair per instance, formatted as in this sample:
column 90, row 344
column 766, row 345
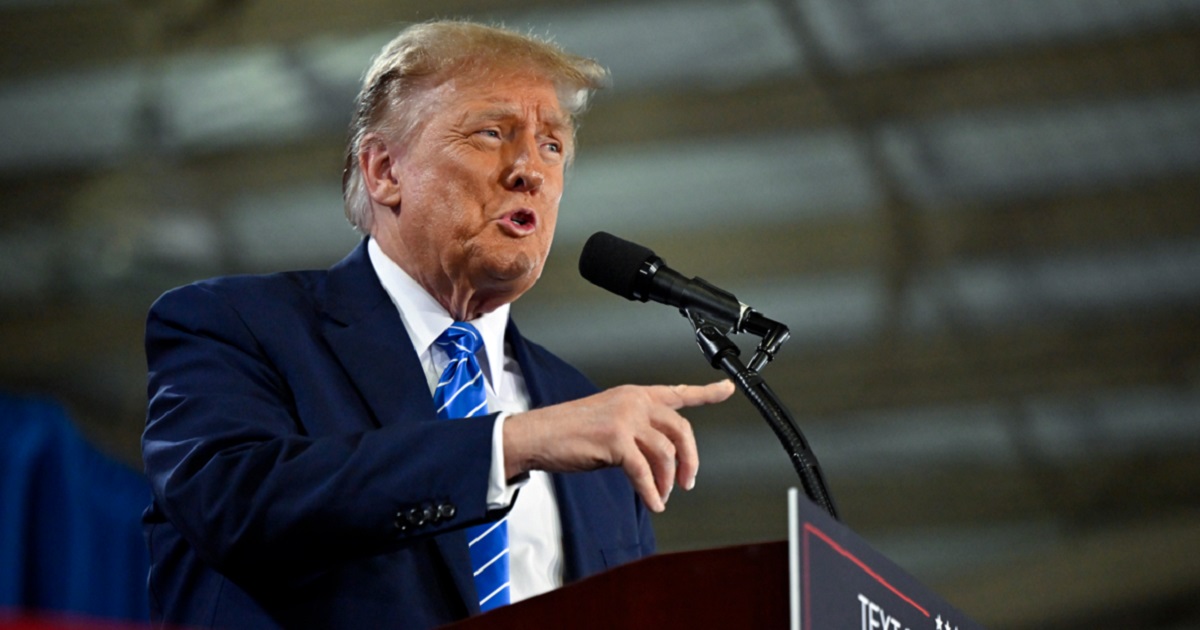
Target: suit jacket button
column 446, row 511
column 428, row 515
column 414, row 517
column 400, row 524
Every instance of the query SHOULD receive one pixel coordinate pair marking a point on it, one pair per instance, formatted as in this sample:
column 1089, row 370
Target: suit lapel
column 364, row 331
column 366, row 334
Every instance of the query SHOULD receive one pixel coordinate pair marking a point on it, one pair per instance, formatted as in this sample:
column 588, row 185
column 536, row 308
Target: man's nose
column 524, row 171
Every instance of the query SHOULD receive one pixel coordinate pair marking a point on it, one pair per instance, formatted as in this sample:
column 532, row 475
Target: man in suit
column 302, row 476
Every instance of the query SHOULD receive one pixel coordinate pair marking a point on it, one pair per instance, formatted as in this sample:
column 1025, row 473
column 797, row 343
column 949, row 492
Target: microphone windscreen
column 613, row 263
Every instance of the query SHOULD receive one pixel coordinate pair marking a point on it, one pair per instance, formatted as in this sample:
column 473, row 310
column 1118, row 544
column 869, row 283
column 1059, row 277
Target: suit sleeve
column 234, row 468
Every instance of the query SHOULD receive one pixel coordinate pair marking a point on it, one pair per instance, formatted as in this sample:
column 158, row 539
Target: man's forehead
column 505, row 94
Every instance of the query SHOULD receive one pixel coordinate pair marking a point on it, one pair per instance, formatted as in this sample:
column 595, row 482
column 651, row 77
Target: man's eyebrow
column 554, row 121
column 558, row 122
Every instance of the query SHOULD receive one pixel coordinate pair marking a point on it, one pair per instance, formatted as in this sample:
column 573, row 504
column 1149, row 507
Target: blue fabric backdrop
column 70, row 534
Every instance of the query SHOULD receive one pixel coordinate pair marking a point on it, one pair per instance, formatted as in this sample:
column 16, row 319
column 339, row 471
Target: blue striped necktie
column 460, row 393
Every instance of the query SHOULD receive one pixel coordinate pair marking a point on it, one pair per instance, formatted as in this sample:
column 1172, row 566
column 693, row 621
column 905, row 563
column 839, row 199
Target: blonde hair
column 425, row 55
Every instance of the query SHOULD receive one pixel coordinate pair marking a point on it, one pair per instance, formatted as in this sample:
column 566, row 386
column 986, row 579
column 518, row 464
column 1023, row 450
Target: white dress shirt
column 534, row 529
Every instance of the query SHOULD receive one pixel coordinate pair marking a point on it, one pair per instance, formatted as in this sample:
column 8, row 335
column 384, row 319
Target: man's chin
column 513, row 274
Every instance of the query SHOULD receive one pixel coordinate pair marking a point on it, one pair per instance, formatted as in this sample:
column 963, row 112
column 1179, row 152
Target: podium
column 824, row 577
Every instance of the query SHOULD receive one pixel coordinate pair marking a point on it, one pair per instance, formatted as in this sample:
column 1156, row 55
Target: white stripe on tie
column 488, row 531
column 460, row 390
column 448, row 369
column 493, row 594
column 490, row 562
column 466, row 330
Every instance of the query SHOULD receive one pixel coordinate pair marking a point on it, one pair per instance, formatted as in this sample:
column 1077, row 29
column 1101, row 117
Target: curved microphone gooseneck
column 636, row 273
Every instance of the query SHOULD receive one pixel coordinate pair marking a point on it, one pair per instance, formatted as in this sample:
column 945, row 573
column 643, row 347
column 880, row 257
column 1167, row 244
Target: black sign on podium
column 837, row 581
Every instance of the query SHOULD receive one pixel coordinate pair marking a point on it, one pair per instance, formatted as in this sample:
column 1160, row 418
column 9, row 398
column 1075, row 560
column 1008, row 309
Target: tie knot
column 459, row 339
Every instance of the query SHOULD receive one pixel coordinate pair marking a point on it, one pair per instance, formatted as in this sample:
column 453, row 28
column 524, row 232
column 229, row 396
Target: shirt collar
column 425, row 319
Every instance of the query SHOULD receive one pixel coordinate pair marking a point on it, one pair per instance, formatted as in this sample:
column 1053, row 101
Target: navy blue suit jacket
column 301, row 477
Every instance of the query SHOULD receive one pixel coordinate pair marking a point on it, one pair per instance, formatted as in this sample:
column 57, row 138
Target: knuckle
column 638, row 469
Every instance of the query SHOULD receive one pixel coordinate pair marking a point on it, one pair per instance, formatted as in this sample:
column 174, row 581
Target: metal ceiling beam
column 84, row 36
column 64, row 37
column 1012, row 79
column 1149, row 63
column 1152, row 63
column 41, row 40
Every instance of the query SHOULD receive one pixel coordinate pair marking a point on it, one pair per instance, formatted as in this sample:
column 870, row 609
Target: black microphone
column 637, row 273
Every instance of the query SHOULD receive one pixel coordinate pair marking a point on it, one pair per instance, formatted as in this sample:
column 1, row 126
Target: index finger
column 679, row 396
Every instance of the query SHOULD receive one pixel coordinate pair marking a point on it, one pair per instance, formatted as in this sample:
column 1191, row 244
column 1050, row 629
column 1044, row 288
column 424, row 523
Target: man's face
column 480, row 183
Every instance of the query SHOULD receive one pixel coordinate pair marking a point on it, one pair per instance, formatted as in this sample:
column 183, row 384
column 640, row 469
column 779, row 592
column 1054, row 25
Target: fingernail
column 691, row 483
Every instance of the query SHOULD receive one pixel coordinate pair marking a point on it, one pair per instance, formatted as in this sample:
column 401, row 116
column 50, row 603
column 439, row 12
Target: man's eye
column 490, row 133
column 554, row 147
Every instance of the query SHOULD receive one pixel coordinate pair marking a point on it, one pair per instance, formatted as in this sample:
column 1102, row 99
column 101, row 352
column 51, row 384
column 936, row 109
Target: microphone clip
column 713, row 337
column 713, row 340
column 772, row 336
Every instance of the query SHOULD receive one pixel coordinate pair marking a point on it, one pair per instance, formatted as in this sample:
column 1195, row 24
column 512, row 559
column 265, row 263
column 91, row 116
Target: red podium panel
column 728, row 587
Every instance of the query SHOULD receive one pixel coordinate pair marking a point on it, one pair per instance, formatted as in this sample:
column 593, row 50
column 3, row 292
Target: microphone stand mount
column 723, row 354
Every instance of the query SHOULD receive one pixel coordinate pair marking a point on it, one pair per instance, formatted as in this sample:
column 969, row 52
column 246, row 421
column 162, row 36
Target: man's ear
column 377, row 164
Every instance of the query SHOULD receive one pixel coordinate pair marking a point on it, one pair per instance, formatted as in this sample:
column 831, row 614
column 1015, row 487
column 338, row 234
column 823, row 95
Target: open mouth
column 521, row 221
